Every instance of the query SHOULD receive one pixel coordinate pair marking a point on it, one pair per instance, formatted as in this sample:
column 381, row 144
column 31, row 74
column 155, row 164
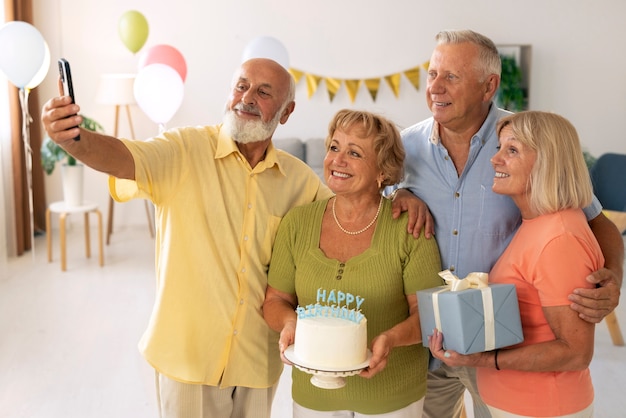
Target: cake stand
column 328, row 377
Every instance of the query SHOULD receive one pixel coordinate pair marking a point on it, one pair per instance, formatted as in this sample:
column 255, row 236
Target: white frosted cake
column 332, row 333
column 329, row 342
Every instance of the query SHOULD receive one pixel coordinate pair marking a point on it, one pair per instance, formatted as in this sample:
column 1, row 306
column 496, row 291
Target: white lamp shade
column 116, row 89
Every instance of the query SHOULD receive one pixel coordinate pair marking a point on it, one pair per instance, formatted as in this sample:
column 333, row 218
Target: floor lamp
column 117, row 90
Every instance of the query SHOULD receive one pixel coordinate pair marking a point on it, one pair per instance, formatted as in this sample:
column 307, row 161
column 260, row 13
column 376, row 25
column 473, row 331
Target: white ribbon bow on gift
column 477, row 281
column 472, row 281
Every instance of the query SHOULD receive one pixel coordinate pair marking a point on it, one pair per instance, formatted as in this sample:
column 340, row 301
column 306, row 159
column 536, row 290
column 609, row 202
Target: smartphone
column 66, row 77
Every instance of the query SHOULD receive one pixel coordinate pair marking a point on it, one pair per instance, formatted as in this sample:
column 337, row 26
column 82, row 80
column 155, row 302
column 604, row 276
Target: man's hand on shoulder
column 593, row 305
column 418, row 214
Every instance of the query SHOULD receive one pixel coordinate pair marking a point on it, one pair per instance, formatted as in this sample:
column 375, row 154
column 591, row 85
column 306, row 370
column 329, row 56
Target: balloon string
column 161, row 128
column 26, row 120
column 28, row 157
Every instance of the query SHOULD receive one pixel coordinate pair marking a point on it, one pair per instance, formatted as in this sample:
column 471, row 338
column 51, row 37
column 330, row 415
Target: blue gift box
column 463, row 321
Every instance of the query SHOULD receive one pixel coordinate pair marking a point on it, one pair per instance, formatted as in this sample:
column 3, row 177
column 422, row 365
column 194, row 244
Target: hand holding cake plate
column 327, row 377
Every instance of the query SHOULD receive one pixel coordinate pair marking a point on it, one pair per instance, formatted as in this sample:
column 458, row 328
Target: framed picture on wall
column 515, row 80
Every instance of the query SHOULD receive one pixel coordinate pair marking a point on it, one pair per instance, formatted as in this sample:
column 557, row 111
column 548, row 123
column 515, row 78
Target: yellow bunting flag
column 353, row 87
column 296, row 74
column 413, row 75
column 332, row 85
column 373, row 84
column 312, row 82
column 394, row 82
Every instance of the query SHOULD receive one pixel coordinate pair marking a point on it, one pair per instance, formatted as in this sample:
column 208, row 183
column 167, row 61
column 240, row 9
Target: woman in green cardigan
column 350, row 243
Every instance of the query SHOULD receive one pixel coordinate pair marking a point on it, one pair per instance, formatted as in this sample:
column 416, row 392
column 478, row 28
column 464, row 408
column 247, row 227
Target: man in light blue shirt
column 473, row 225
column 448, row 167
column 469, row 239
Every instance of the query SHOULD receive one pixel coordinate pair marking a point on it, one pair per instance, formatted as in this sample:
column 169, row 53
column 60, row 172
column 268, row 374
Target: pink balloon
column 164, row 54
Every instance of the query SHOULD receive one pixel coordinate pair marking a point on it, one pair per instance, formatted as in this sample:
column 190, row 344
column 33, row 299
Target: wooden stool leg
column 100, row 247
column 48, row 235
column 614, row 330
column 63, row 241
column 110, row 220
column 87, row 239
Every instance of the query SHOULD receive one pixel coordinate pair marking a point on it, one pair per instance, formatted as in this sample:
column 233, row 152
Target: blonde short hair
column 386, row 136
column 559, row 179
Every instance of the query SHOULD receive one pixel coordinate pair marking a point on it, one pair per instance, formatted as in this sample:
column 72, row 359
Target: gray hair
column 291, row 92
column 489, row 57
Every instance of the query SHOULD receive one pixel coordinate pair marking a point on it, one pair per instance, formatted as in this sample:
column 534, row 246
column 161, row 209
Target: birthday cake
column 331, row 333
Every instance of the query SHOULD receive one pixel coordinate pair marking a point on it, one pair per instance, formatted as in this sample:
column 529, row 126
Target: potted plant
column 510, row 95
column 590, row 159
column 72, row 171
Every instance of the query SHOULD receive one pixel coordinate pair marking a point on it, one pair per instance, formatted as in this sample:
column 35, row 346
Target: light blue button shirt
column 473, row 225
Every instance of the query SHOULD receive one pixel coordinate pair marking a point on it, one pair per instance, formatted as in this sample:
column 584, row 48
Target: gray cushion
column 293, row 146
column 315, row 152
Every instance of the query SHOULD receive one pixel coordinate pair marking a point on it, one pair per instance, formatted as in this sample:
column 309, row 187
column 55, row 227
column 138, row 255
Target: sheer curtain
column 5, row 171
column 17, row 214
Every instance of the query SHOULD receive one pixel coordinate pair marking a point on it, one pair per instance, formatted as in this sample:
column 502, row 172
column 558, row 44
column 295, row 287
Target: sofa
column 312, row 151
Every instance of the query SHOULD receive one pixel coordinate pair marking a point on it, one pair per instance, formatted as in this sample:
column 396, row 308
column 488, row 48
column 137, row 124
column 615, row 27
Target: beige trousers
column 446, row 390
column 185, row 400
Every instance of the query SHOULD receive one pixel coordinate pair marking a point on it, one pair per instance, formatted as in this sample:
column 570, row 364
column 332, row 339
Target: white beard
column 247, row 131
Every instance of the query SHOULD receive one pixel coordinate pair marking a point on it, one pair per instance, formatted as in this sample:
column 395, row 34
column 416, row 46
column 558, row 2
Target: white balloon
column 43, row 71
column 159, row 92
column 22, row 52
column 267, row 47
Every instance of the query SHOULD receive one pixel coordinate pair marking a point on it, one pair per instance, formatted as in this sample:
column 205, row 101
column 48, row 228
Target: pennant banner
column 297, row 75
column 394, row 82
column 352, row 85
column 413, row 75
column 332, row 85
column 373, row 84
column 312, row 81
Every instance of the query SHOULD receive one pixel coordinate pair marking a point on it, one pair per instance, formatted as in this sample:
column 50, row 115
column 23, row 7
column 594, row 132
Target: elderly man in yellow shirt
column 220, row 193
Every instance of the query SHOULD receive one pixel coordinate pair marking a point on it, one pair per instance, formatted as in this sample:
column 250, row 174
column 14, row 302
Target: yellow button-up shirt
column 216, row 220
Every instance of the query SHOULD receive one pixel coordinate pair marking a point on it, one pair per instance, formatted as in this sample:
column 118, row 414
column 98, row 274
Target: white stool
column 63, row 210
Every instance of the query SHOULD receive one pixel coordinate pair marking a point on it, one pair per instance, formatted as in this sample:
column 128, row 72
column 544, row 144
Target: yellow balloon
column 133, row 30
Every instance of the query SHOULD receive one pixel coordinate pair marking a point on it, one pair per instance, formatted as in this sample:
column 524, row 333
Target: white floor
column 68, row 340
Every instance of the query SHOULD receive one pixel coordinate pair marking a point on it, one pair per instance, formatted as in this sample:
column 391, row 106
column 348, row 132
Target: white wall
column 577, row 57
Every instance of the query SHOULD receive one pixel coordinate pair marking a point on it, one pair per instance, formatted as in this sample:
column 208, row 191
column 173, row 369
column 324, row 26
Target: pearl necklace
column 368, row 226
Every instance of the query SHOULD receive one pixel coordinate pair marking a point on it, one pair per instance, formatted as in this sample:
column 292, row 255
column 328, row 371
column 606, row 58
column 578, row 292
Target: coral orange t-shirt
column 548, row 257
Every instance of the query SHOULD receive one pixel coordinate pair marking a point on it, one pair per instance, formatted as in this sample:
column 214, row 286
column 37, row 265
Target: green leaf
column 91, row 125
column 590, row 160
column 510, row 94
column 51, row 153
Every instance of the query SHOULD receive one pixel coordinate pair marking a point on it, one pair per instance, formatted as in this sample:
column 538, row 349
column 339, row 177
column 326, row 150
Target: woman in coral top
column 540, row 166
